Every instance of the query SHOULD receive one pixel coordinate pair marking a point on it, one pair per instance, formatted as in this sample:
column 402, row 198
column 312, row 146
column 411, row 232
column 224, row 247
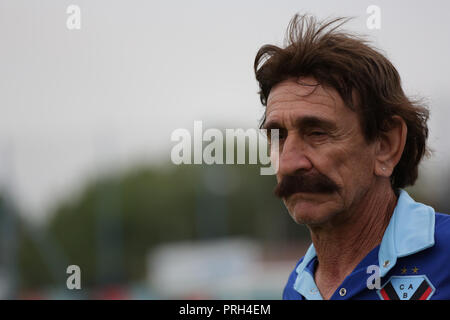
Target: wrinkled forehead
column 307, row 90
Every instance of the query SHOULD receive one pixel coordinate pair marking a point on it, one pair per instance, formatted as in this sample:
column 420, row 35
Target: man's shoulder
column 293, row 274
column 442, row 217
column 289, row 292
column 442, row 228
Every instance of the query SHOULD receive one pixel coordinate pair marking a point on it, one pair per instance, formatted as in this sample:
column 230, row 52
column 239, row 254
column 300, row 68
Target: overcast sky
column 111, row 93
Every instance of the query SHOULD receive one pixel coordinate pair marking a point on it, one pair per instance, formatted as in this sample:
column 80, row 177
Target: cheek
column 358, row 168
column 275, row 160
column 350, row 167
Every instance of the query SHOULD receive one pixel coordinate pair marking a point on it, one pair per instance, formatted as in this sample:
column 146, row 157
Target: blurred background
column 86, row 117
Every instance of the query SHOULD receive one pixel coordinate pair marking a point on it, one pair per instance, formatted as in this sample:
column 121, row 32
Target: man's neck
column 341, row 246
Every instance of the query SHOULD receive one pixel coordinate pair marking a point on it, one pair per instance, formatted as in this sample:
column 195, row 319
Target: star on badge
column 415, row 269
column 404, row 270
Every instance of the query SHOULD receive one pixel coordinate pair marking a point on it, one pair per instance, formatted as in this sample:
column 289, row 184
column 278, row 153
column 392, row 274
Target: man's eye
column 317, row 133
column 281, row 134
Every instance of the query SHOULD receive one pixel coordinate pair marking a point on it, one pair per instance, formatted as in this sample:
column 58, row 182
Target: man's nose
column 293, row 156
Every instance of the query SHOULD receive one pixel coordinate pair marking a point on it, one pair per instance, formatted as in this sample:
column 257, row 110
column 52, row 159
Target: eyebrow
column 303, row 122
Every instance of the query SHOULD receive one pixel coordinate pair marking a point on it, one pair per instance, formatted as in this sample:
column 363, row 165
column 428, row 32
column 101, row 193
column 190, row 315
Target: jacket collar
column 410, row 230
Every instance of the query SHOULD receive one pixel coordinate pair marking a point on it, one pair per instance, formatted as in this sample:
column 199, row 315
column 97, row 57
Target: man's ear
column 391, row 144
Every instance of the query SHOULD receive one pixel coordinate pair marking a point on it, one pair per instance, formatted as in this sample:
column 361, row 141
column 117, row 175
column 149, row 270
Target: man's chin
column 309, row 209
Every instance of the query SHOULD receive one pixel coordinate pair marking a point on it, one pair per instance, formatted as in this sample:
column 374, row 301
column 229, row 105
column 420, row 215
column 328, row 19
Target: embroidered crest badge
column 407, row 288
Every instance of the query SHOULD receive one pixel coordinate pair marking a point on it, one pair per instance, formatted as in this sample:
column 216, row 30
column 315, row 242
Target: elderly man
column 349, row 141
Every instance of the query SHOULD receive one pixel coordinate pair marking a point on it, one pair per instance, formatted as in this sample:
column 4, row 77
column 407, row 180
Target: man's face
column 325, row 164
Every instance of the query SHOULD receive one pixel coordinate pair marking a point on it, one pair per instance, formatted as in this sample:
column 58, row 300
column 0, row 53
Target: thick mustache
column 302, row 182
